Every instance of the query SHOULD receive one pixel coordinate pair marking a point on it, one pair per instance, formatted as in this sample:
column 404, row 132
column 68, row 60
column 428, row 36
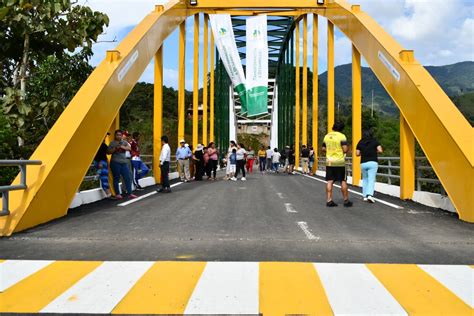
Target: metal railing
column 389, row 172
column 4, row 190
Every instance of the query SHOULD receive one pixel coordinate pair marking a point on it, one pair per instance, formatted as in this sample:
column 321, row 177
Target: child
column 276, row 160
column 233, row 164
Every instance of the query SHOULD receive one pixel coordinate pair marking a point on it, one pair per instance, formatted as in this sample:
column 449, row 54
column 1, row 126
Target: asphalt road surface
column 272, row 217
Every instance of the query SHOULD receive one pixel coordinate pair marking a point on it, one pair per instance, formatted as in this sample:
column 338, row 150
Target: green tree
column 34, row 32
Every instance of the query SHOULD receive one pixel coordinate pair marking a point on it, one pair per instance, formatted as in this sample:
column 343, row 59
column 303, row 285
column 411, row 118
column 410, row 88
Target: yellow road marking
column 164, row 289
column 38, row 290
column 417, row 291
column 2, row 260
column 291, row 288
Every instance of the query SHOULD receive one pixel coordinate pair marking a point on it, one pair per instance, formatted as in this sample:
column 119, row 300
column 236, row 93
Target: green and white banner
column 257, row 65
column 221, row 25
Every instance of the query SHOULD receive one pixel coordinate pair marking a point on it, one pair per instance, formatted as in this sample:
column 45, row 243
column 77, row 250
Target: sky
column 440, row 31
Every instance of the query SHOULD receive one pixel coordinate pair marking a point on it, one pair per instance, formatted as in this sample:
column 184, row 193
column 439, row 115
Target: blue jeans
column 262, row 163
column 103, row 173
column 369, row 171
column 121, row 169
column 139, row 170
column 276, row 165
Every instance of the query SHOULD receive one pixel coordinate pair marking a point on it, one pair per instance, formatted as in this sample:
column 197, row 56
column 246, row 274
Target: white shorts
column 232, row 168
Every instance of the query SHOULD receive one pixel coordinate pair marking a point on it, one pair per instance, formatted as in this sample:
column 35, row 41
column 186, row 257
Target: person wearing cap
column 183, row 153
column 198, row 159
column 139, row 168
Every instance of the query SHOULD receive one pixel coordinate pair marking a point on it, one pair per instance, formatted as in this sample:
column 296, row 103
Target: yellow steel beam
column 158, row 114
column 181, row 80
column 304, row 138
column 236, row 4
column 204, row 80
column 211, row 84
column 196, row 83
column 315, row 92
column 330, row 84
column 297, row 96
column 407, row 161
column 89, row 116
column 356, row 113
column 441, row 130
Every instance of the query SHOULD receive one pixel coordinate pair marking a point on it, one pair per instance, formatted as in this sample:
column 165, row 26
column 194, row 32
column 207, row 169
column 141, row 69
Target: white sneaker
column 243, row 179
column 371, row 199
column 233, row 179
column 365, row 199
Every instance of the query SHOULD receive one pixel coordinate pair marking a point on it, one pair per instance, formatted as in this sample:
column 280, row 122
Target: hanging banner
column 257, row 65
column 221, row 25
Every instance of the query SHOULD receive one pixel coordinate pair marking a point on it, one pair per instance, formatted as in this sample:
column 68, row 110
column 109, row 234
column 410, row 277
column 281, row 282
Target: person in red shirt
column 139, row 168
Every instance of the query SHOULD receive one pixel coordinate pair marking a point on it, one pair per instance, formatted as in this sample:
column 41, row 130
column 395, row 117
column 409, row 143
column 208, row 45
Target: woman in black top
column 199, row 162
column 368, row 149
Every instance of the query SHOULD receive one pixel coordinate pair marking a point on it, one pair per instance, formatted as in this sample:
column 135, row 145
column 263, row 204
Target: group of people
column 125, row 163
column 195, row 165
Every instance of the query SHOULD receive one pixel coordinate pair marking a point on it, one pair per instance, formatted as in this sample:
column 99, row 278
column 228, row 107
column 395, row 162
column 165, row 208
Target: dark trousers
column 212, row 168
column 199, row 170
column 240, row 167
column 121, row 170
column 165, row 179
column 269, row 164
column 262, row 163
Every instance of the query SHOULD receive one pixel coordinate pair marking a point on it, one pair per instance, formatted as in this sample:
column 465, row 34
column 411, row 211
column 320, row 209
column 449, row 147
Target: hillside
column 455, row 80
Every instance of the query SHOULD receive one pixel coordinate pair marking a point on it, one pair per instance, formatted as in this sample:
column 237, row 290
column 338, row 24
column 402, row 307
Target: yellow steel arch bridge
column 427, row 114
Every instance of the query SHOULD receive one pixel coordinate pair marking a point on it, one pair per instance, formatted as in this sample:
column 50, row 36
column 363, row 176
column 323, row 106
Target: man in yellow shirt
column 335, row 146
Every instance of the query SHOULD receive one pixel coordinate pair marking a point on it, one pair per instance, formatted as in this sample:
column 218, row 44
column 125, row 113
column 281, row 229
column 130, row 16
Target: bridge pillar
column 304, row 138
column 356, row 113
column 181, row 80
column 204, row 80
column 330, row 75
column 196, row 83
column 297, row 97
column 158, row 114
column 211, row 96
column 407, row 161
column 315, row 93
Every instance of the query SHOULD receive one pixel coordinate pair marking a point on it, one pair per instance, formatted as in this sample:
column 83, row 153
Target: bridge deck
column 112, row 251
column 267, row 218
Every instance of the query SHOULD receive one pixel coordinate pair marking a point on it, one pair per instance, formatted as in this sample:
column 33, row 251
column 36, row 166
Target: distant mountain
column 455, row 80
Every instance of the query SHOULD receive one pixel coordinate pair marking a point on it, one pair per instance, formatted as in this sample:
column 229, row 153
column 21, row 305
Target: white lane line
column 280, row 195
column 101, row 290
column 290, row 208
column 13, row 271
column 307, row 232
column 145, row 196
column 226, row 288
column 458, row 279
column 358, row 193
column 353, row 290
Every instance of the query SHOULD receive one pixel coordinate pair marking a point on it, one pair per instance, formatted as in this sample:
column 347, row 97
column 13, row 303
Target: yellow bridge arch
column 66, row 152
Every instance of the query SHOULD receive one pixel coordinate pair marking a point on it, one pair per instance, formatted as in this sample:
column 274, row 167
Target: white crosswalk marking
column 458, row 279
column 226, row 288
column 353, row 290
column 101, row 290
column 12, row 271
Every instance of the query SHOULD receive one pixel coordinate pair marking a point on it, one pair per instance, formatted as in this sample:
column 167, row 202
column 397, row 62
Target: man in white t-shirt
column 276, row 160
column 269, row 158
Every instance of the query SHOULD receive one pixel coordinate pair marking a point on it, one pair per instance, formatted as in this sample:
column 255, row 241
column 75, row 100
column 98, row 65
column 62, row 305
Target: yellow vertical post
column 181, row 80
column 356, row 113
column 113, row 127
column 196, row 83
column 330, row 75
column 158, row 114
column 204, row 79
column 407, row 161
column 304, row 139
column 211, row 92
column 297, row 96
column 315, row 92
